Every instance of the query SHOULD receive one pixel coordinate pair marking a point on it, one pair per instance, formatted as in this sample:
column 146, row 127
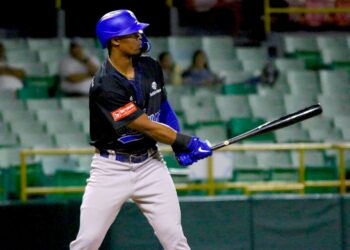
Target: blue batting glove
column 199, row 149
column 185, row 159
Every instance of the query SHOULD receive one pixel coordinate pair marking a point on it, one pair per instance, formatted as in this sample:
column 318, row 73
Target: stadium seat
column 325, row 135
column 57, row 115
column 159, row 45
column 335, row 82
column 287, row 64
column 51, row 55
column 46, row 104
column 302, row 81
column 213, row 133
column 12, row 105
column 219, row 47
column 71, row 140
column 23, row 56
column 220, row 66
column 296, row 43
column 18, row 115
column 230, row 106
column 274, row 159
column 42, row 43
column 54, row 126
column 269, row 108
column 326, row 42
column 82, row 162
column 32, row 68
column 182, row 48
column 254, row 66
column 342, row 121
column 15, row 43
column 252, row 53
column 52, row 163
column 317, row 122
column 334, row 105
column 292, row 134
column 20, row 127
column 33, row 92
column 8, row 140
column 70, row 103
column 201, row 111
column 80, row 115
column 332, row 56
column 295, row 102
column 9, row 156
column 28, row 140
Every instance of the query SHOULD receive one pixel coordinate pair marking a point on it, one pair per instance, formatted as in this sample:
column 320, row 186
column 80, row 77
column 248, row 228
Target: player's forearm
column 157, row 131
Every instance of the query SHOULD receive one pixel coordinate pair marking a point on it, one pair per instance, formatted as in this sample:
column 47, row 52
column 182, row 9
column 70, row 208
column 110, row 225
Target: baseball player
column 129, row 114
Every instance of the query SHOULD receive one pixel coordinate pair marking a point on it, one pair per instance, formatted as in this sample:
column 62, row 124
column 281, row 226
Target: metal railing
column 289, row 10
column 211, row 185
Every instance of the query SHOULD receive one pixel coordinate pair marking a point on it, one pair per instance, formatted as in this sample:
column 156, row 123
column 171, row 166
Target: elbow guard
column 168, row 116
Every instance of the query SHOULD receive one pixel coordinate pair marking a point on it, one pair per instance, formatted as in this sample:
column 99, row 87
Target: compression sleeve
column 168, row 116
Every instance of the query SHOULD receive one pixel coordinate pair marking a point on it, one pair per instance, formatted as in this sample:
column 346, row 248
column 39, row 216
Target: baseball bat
column 282, row 122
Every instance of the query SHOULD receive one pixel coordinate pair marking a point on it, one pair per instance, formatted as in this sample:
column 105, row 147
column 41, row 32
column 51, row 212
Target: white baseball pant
column 112, row 183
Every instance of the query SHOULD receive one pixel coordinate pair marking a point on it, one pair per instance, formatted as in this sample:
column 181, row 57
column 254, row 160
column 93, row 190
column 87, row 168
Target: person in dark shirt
column 129, row 114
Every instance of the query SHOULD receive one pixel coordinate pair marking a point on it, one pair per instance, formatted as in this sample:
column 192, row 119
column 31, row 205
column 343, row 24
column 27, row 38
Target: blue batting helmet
column 117, row 23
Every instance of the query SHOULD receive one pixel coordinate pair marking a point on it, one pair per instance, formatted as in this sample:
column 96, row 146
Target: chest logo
column 154, row 85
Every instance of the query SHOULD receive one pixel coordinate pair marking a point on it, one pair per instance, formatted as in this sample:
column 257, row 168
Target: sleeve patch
column 124, row 111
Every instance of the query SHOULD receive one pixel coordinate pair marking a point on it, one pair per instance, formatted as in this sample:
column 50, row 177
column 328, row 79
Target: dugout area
column 259, row 222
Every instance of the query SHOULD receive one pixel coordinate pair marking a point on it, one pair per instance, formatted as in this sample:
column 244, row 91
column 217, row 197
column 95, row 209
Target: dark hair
column 195, row 55
column 162, row 55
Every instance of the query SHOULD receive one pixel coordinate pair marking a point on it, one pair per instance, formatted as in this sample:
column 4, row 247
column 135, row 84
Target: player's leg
column 108, row 188
column 156, row 196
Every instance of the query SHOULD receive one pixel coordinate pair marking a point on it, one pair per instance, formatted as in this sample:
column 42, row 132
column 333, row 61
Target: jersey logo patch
column 154, row 85
column 124, row 111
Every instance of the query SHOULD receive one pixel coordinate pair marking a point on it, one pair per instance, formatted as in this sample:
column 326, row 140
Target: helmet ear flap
column 145, row 44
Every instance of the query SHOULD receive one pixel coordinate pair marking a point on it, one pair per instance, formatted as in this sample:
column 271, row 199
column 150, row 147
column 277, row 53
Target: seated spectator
column 171, row 71
column 11, row 78
column 199, row 73
column 77, row 70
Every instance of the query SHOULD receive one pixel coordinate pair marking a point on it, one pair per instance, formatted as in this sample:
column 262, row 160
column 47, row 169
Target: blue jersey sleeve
column 168, row 116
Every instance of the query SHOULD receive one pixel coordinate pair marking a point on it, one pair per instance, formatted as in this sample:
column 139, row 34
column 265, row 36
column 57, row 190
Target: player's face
column 130, row 44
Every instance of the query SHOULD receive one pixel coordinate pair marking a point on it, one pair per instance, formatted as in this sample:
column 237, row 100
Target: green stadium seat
column 326, row 42
column 342, row 122
column 83, row 162
column 332, row 56
column 182, row 48
column 52, row 163
column 287, row 64
column 303, row 81
column 80, row 115
column 51, row 55
column 71, row 140
column 221, row 66
column 33, row 68
column 9, row 156
column 17, row 115
column 251, row 53
column 57, row 115
column 159, row 45
column 33, row 93
column 292, row 134
column 295, row 43
column 70, row 103
column 253, row 65
column 12, row 105
column 40, row 81
column 334, row 105
column 325, row 135
column 317, row 122
column 213, row 133
column 23, row 56
column 46, row 104
column 268, row 108
column 28, row 140
column 274, row 159
column 53, row 127
column 20, row 127
column 8, row 140
column 334, row 82
column 4, row 127
column 230, row 106
column 201, row 111
column 219, row 47
column 294, row 102
column 345, row 134
column 85, row 125
column 313, row 158
column 14, row 43
column 239, row 88
column 43, row 43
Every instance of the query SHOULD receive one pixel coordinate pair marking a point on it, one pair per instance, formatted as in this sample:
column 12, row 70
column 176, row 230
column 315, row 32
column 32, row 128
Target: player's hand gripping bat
column 282, row 122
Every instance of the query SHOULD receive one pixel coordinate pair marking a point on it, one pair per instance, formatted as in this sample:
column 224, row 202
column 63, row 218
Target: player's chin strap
column 145, row 43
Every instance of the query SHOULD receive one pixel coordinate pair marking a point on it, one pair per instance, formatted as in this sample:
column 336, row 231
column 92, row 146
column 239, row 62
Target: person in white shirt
column 77, row 70
column 11, row 78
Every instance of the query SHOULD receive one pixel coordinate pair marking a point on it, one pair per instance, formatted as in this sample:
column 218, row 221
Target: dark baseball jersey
column 115, row 101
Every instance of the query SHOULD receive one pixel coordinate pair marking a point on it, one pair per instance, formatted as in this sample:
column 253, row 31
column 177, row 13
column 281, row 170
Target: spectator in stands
column 171, row 71
column 11, row 78
column 199, row 73
column 77, row 70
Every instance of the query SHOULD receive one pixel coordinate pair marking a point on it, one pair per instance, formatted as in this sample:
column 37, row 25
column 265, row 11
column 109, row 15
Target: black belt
column 125, row 157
